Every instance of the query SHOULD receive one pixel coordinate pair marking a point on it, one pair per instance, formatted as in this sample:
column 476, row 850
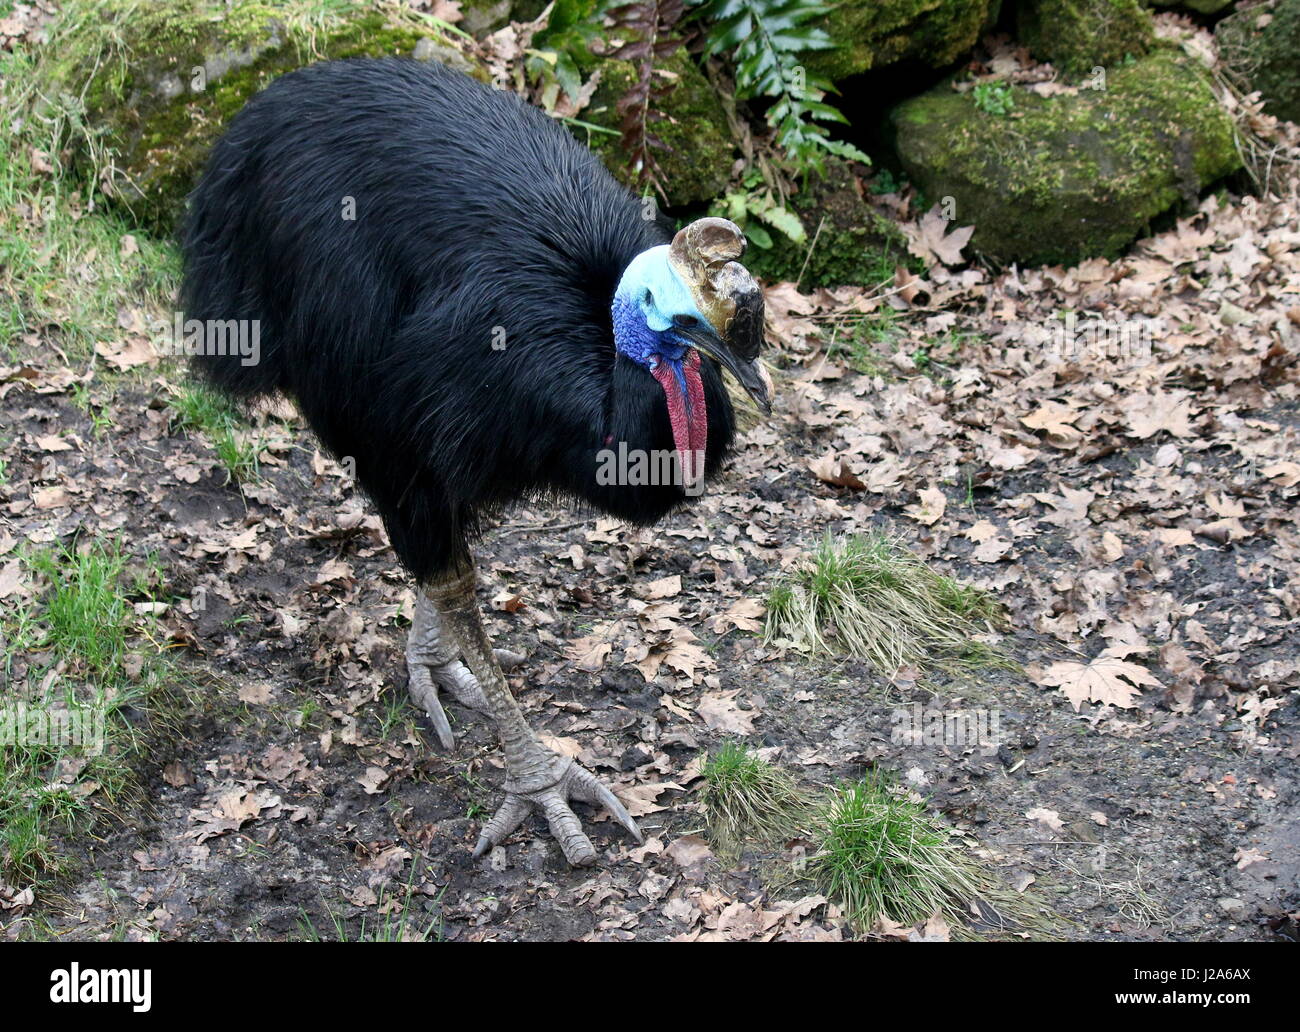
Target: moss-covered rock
column 1070, row 176
column 1078, row 35
column 855, row 245
column 1261, row 45
column 697, row 162
column 161, row 79
column 1199, row 6
column 872, row 33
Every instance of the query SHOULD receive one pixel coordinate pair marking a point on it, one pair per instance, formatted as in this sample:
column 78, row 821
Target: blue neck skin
column 645, row 346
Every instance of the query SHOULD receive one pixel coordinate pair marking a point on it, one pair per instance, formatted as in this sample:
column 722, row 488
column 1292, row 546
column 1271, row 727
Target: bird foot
column 433, row 667
column 561, row 781
column 453, row 677
column 429, row 678
column 508, row 660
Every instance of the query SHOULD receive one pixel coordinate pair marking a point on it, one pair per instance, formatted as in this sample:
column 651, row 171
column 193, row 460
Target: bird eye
column 685, row 322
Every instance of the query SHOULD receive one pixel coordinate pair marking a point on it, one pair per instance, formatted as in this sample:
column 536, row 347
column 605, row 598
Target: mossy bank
column 873, row 33
column 1071, row 176
column 847, row 242
column 159, row 80
column 697, row 154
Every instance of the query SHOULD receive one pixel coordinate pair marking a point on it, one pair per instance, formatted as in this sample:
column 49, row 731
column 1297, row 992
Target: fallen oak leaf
column 685, row 656
column 642, row 799
column 127, row 354
column 832, row 470
column 1055, row 419
column 745, row 614
column 1148, row 414
column 1049, row 818
column 721, row 712
column 664, row 587
column 374, row 780
column 929, row 508
column 589, row 654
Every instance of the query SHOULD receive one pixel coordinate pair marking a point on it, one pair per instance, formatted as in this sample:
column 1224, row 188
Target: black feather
column 479, row 221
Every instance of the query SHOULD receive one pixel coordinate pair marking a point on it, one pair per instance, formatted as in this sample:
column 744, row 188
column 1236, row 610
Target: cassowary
column 461, row 300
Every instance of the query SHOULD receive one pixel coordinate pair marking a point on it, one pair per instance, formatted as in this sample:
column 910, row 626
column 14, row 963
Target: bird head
column 691, row 297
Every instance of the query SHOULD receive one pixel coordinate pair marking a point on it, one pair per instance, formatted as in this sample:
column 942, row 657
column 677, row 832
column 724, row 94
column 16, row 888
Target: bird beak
column 748, row 372
column 704, row 255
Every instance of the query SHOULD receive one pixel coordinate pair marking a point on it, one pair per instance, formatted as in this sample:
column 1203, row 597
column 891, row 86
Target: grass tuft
column 66, row 270
column 868, row 597
column 85, row 612
column 881, row 855
column 199, row 408
column 747, row 798
column 65, row 665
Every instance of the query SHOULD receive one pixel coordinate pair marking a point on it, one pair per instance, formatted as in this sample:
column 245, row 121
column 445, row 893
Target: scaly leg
column 536, row 777
column 433, row 662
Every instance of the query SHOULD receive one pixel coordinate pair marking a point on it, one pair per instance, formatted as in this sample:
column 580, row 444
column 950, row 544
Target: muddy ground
column 1141, row 509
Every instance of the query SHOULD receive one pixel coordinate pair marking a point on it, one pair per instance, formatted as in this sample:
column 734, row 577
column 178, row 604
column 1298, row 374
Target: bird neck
column 676, row 369
column 632, row 337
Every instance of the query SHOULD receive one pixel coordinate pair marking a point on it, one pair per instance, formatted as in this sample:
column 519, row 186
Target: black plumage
column 455, row 338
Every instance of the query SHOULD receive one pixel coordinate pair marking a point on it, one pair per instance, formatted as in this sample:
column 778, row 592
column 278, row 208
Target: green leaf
column 758, row 236
column 765, row 40
column 785, row 221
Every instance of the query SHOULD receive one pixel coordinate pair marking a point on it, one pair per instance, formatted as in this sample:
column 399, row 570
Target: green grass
column 935, row 357
column 67, row 273
column 881, row 855
column 394, row 922
column 868, row 597
column 877, row 851
column 65, row 269
column 200, row 409
column 67, row 651
column 866, row 342
column 85, row 610
column 870, row 340
column 96, row 412
column 746, row 798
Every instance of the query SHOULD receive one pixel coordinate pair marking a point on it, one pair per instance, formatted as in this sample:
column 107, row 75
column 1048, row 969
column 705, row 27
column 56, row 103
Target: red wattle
column 687, row 414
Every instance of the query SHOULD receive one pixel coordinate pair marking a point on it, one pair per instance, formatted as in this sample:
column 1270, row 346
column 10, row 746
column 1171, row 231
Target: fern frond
column 765, row 39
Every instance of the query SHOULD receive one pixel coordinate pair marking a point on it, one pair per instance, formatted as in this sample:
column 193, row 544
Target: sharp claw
column 587, row 787
column 426, row 694
column 441, row 724
column 510, row 815
column 507, row 660
column 611, row 803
